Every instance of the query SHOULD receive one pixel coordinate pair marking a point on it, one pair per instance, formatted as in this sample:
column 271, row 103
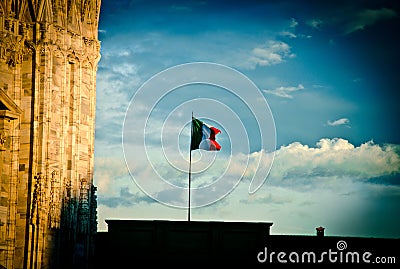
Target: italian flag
column 203, row 136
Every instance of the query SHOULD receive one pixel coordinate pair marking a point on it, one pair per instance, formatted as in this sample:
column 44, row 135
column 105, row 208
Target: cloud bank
column 331, row 161
column 336, row 158
column 333, row 184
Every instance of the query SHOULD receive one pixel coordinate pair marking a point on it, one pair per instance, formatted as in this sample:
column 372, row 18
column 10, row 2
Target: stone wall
column 49, row 52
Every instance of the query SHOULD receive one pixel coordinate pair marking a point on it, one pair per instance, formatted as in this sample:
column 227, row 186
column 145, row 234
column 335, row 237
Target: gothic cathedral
column 49, row 53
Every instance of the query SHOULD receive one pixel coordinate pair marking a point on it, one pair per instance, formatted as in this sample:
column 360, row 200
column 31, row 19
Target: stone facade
column 49, row 53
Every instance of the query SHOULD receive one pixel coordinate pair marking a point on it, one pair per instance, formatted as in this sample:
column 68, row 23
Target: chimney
column 320, row 231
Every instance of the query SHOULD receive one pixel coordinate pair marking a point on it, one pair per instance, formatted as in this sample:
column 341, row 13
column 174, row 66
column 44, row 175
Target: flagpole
column 190, row 164
column 190, row 168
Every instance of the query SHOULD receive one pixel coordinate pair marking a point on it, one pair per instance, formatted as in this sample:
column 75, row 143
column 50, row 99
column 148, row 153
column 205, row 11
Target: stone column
column 8, row 188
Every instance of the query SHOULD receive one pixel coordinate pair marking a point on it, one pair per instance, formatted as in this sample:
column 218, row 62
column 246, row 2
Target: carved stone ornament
column 3, row 139
column 12, row 48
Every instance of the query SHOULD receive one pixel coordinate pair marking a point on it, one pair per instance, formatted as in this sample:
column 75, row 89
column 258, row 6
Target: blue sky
column 325, row 77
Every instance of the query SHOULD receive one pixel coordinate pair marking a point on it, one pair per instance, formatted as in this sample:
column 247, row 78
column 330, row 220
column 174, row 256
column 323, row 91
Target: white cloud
column 128, row 70
column 107, row 172
column 342, row 121
column 271, row 53
column 336, row 158
column 288, row 34
column 315, row 23
column 290, row 31
column 285, row 92
column 117, row 80
column 293, row 23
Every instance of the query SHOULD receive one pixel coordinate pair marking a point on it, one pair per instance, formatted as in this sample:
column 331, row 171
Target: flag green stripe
column 197, row 134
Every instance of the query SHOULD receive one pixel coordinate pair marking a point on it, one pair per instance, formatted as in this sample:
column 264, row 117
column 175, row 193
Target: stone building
column 49, row 53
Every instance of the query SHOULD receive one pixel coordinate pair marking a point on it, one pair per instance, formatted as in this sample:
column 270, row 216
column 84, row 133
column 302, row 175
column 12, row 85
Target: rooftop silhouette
column 229, row 243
